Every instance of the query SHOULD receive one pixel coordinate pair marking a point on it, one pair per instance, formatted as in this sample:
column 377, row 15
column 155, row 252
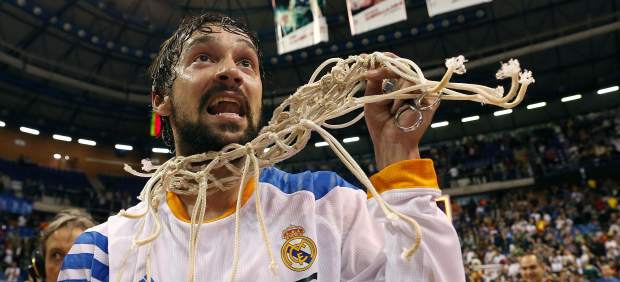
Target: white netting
column 288, row 131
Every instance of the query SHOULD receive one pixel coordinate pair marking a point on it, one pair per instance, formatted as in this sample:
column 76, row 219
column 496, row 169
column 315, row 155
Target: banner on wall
column 365, row 15
column 299, row 24
column 436, row 7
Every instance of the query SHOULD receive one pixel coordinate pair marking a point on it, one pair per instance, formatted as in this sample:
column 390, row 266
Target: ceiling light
column 536, row 105
column 87, row 142
column 67, row 157
column 608, row 90
column 57, row 156
column 123, row 147
column 2, row 124
column 320, row 144
column 571, row 98
column 29, row 130
column 62, row 137
column 502, row 112
column 351, row 139
column 439, row 124
column 471, row 118
column 161, row 150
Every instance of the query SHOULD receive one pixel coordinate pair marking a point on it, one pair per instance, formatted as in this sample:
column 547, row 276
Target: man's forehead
column 529, row 260
column 214, row 31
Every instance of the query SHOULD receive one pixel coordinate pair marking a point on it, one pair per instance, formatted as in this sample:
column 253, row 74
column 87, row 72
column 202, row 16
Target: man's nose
column 230, row 75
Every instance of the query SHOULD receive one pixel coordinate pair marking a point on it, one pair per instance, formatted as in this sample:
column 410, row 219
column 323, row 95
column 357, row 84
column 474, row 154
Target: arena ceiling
column 79, row 66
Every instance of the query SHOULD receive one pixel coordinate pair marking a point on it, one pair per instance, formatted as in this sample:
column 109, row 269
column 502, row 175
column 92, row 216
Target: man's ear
column 161, row 103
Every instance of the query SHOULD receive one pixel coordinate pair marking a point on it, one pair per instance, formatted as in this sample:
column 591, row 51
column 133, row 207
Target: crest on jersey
column 298, row 251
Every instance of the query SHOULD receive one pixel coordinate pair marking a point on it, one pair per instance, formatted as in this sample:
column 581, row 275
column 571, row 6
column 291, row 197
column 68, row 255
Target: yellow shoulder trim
column 406, row 174
column 180, row 211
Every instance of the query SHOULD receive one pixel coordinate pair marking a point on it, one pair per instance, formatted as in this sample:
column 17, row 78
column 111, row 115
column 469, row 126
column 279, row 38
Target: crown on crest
column 292, row 231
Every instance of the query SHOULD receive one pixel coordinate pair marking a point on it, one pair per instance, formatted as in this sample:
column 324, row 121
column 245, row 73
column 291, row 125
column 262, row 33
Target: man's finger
column 380, row 74
column 397, row 104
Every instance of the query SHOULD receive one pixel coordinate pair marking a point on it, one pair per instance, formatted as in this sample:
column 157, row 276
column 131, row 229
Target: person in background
column 56, row 241
column 12, row 272
column 609, row 274
column 532, row 268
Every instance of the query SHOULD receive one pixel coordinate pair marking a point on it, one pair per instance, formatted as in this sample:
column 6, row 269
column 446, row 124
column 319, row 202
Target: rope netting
column 289, row 130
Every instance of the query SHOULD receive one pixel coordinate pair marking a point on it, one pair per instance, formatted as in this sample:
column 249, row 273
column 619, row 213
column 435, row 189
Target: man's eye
column 246, row 63
column 57, row 256
column 201, row 58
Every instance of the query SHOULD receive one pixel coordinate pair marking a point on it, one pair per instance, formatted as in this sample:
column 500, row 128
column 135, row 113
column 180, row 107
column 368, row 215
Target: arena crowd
column 572, row 227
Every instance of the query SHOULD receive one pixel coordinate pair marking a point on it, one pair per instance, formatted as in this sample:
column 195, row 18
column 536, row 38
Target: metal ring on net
column 434, row 104
column 388, row 85
column 417, row 108
column 415, row 124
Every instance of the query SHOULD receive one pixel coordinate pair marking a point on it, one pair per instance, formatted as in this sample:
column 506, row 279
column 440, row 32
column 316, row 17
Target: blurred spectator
column 609, row 274
column 56, row 241
column 532, row 269
column 12, row 272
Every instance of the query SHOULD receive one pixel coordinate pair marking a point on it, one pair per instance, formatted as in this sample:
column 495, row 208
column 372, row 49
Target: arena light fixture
column 471, row 118
column 502, row 112
column 439, row 124
column 87, row 142
column 608, row 90
column 28, row 130
column 2, row 124
column 536, row 105
column 67, row 157
column 123, row 147
column 161, row 150
column 571, row 98
column 351, row 139
column 320, row 144
column 57, row 156
column 62, row 137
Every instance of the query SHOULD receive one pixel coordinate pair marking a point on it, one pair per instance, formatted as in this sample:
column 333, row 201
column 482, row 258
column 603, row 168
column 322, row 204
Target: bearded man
column 208, row 86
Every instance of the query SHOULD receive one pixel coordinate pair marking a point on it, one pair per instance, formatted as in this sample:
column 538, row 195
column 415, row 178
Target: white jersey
column 320, row 228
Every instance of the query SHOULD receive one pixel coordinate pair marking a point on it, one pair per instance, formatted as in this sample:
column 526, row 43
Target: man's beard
column 197, row 138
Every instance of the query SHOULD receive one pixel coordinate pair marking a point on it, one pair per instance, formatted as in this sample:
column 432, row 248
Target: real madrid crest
column 298, row 251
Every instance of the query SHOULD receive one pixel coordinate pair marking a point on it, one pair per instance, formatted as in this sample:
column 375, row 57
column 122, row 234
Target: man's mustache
column 218, row 88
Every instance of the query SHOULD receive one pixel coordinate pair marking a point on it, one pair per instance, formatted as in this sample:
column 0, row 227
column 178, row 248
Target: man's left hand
column 391, row 144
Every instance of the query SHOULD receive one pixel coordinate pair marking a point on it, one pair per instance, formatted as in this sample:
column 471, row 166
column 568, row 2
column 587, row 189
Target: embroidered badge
column 298, row 251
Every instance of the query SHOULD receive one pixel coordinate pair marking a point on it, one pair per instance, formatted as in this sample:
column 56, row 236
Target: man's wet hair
column 162, row 70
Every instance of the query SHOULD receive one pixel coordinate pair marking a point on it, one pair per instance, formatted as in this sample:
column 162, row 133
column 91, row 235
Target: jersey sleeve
column 411, row 188
column 88, row 258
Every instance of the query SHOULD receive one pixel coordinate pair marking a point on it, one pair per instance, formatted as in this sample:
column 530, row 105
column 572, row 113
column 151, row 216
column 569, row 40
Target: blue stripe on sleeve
column 93, row 238
column 78, row 261
column 98, row 269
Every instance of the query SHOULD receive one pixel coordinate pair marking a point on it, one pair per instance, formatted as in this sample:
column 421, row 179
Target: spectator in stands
column 12, row 272
column 56, row 241
column 609, row 274
column 532, row 268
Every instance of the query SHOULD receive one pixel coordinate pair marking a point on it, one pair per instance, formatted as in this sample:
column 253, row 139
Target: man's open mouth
column 223, row 105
